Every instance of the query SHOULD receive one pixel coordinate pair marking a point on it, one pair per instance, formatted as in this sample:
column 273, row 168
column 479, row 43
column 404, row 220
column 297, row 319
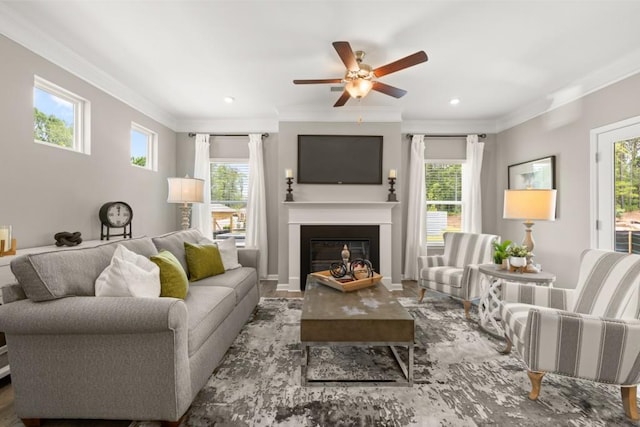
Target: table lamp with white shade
column 186, row 191
column 530, row 205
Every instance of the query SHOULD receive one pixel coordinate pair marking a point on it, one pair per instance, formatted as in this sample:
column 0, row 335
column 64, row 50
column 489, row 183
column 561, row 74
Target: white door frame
column 601, row 177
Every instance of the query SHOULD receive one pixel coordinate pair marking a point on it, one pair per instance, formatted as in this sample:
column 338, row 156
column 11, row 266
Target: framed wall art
column 538, row 173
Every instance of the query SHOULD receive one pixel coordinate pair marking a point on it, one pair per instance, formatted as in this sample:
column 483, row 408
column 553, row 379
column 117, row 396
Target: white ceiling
column 176, row 60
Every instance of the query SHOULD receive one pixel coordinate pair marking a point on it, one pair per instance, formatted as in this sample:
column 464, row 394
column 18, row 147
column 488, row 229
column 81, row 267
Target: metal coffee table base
column 406, row 370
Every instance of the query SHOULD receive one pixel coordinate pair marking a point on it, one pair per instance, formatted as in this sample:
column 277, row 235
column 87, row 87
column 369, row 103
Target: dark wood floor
column 8, row 416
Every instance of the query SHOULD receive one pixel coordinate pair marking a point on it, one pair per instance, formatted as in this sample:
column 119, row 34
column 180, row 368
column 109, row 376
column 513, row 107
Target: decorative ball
column 338, row 270
column 361, row 269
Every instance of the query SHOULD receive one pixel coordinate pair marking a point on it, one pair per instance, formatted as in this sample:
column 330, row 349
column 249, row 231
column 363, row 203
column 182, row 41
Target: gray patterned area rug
column 461, row 380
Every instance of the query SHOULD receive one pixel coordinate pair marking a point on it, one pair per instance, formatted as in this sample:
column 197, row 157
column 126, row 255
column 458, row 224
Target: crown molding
column 34, row 39
column 228, row 125
column 611, row 73
column 342, row 114
column 448, row 126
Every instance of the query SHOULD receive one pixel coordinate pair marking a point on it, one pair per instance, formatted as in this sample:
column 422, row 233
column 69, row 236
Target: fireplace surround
column 338, row 213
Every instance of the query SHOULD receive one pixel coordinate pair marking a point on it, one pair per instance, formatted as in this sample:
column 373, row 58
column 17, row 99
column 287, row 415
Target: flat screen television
column 339, row 159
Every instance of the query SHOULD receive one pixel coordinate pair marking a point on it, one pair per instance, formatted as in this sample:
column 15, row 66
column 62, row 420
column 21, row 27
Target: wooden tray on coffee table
column 348, row 285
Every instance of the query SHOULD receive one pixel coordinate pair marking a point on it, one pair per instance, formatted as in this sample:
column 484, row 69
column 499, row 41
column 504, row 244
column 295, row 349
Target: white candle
column 392, row 173
column 5, row 234
column 288, row 173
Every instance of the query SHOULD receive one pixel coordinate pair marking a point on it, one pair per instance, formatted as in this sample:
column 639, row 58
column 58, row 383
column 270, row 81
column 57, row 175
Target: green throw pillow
column 173, row 279
column 203, row 261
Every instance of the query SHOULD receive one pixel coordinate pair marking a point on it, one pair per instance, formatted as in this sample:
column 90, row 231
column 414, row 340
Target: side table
column 491, row 282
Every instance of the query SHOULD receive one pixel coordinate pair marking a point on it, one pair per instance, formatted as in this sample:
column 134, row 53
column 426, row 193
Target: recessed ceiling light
column 229, row 99
column 454, row 101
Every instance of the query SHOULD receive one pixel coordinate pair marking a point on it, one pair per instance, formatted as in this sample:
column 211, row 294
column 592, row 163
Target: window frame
column 152, row 147
column 232, row 160
column 462, row 163
column 81, row 115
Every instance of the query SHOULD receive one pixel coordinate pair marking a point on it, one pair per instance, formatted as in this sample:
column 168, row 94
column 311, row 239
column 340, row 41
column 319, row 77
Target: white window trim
column 81, row 119
column 453, row 202
column 152, row 147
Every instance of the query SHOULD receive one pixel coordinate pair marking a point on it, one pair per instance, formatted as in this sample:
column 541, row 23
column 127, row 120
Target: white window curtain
column 416, row 209
column 256, row 203
column 201, row 212
column 471, row 188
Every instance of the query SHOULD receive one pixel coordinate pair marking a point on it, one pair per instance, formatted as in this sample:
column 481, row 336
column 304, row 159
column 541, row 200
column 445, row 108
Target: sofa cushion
column 240, row 280
column 203, row 261
column 229, row 253
column 129, row 275
column 50, row 275
column 173, row 279
column 452, row 276
column 174, row 243
column 208, row 307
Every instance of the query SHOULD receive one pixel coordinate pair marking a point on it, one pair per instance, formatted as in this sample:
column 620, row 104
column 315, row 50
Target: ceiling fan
column 360, row 78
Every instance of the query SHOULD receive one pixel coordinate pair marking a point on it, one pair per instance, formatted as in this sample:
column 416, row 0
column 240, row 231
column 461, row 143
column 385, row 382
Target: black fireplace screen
column 321, row 245
column 325, row 252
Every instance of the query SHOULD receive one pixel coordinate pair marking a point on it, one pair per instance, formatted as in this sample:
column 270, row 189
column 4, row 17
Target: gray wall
column 280, row 153
column 287, row 159
column 564, row 133
column 45, row 190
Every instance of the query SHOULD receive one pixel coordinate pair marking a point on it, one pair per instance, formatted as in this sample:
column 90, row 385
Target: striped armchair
column 456, row 271
column 590, row 332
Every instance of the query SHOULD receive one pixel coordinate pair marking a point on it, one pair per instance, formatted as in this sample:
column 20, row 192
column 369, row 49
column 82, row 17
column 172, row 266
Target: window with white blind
column 444, row 199
column 229, row 192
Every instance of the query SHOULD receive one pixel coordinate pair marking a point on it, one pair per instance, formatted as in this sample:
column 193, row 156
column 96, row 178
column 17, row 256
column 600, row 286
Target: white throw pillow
column 228, row 253
column 129, row 275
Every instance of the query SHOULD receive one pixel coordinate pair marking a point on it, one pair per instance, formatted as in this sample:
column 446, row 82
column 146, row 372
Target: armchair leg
column 31, row 422
column 422, row 291
column 507, row 346
column 536, row 381
column 467, row 306
column 629, row 402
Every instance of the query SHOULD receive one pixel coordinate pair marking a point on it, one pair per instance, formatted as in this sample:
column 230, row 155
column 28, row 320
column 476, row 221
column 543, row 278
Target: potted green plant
column 518, row 255
column 500, row 251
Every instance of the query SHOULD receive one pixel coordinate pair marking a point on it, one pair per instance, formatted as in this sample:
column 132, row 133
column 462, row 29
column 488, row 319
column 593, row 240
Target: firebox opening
column 321, row 245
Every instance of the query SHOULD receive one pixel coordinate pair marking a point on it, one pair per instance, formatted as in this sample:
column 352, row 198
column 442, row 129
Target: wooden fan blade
column 389, row 90
column 401, row 64
column 343, row 99
column 316, row 81
column 346, row 54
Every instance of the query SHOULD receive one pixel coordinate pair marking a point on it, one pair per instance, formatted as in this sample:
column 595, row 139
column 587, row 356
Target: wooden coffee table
column 367, row 317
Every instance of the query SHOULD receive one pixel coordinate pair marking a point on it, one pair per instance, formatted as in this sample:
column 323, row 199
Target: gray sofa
column 75, row 355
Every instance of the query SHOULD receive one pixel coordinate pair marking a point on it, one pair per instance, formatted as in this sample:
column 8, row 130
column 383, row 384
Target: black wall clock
column 115, row 215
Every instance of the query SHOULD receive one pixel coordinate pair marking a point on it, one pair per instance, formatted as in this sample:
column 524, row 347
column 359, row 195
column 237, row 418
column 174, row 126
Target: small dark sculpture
column 64, row 238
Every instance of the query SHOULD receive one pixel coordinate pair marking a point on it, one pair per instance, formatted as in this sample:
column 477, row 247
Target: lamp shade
column 185, row 190
column 358, row 88
column 530, row 204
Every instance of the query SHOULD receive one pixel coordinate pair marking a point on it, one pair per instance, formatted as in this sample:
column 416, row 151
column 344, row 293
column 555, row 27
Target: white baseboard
column 283, row 287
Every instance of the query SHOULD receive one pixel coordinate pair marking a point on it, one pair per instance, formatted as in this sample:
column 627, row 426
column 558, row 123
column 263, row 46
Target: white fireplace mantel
column 340, row 213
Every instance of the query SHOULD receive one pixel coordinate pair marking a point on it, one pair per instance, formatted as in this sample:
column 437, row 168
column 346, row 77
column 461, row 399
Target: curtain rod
column 192, row 134
column 481, row 135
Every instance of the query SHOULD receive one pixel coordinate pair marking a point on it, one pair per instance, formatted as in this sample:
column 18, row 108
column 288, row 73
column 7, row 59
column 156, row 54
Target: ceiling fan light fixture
column 359, row 88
